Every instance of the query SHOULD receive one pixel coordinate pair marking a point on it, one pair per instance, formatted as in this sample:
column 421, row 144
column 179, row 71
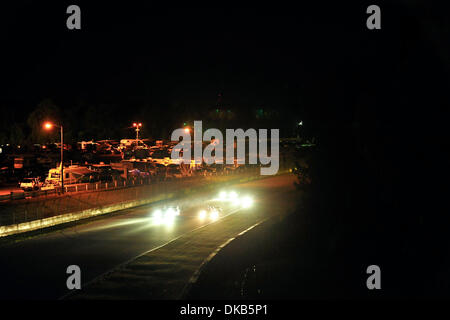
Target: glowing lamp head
column 48, row 125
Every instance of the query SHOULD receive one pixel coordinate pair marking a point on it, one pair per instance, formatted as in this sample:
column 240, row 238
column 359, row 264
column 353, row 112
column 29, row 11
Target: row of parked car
column 32, row 184
column 174, row 171
column 104, row 173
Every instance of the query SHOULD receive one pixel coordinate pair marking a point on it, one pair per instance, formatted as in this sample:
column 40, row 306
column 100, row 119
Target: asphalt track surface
column 35, row 268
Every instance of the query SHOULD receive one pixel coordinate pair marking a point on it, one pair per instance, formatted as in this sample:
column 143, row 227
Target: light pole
column 48, row 126
column 137, row 126
column 299, row 125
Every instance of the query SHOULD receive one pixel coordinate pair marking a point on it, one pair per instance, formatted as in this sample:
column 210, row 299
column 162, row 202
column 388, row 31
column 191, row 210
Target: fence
column 74, row 188
column 98, row 186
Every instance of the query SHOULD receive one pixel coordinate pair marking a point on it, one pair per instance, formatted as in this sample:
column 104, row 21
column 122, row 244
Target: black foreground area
column 296, row 257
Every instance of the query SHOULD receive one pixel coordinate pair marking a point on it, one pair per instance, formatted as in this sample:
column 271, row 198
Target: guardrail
column 73, row 188
column 99, row 186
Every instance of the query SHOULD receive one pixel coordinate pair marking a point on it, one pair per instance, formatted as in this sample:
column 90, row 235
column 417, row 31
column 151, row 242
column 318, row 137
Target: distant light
column 140, row 124
column 170, row 213
column 165, row 218
column 48, row 125
column 134, row 124
column 214, row 215
column 202, row 214
column 186, row 130
column 246, row 202
column 300, row 123
column 223, row 195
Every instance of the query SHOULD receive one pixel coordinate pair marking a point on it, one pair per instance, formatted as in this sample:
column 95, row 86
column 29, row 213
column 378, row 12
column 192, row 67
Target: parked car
column 30, row 184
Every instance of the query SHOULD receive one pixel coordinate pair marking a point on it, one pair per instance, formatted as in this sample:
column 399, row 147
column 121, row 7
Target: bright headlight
column 223, row 195
column 214, row 215
column 202, row 214
column 157, row 214
column 165, row 216
column 170, row 213
column 158, row 217
column 246, row 202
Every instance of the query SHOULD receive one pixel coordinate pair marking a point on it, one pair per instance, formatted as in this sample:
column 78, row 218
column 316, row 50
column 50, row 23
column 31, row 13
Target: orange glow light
column 186, row 130
column 48, row 125
column 134, row 124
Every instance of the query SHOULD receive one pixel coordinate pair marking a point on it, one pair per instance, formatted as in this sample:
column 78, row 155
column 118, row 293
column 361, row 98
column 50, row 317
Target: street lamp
column 137, row 126
column 298, row 127
column 48, row 126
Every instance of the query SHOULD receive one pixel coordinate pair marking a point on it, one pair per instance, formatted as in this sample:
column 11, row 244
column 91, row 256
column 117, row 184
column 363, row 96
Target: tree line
column 99, row 121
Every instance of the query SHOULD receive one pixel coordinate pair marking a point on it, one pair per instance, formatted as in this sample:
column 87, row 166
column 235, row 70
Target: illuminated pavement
column 36, row 268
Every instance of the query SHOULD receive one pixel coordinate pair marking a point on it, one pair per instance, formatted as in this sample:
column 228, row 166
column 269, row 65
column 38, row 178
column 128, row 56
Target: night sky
column 308, row 62
column 165, row 65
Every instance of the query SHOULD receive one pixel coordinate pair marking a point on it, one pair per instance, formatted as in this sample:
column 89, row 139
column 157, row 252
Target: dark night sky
column 131, row 52
column 145, row 54
column 312, row 61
